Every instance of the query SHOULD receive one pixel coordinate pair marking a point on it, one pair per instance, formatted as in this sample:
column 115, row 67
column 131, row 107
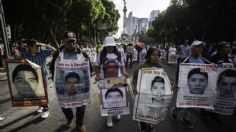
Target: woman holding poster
column 110, row 63
column 152, row 60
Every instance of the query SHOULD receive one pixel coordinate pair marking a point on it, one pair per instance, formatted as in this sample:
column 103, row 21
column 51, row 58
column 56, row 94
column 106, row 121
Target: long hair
column 104, row 54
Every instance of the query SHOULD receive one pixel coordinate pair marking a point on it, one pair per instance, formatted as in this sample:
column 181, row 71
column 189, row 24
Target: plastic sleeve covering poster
column 113, row 96
column 226, row 90
column 72, row 82
column 154, row 95
column 26, row 83
column 197, row 83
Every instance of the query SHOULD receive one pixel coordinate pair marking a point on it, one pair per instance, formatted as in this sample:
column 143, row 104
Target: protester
column 70, row 51
column 221, row 58
column 152, row 60
column 195, row 58
column 129, row 55
column 110, row 63
column 38, row 56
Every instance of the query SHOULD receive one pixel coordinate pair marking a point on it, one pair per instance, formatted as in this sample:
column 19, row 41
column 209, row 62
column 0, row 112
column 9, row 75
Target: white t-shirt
column 172, row 50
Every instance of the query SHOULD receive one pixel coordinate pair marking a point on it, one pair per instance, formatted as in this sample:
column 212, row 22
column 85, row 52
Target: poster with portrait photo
column 154, row 95
column 172, row 58
column 135, row 55
column 226, row 90
column 196, row 85
column 113, row 100
column 163, row 54
column 26, row 83
column 72, row 83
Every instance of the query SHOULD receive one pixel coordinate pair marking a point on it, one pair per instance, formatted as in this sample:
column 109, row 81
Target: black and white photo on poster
column 196, row 85
column 114, row 97
column 27, row 83
column 226, row 90
column 154, row 95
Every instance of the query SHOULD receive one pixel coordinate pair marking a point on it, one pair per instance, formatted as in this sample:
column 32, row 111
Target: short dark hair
column 228, row 73
column 158, row 79
column 197, row 71
column 31, row 42
column 72, row 75
column 113, row 90
column 23, row 67
column 220, row 45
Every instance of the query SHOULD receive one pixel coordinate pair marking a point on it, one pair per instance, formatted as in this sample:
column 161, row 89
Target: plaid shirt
column 38, row 58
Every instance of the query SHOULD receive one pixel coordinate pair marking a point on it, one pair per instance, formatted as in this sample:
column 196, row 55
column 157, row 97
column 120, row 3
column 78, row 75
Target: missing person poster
column 226, row 90
column 26, row 83
column 114, row 99
column 72, row 82
column 172, row 58
column 154, row 95
column 196, row 85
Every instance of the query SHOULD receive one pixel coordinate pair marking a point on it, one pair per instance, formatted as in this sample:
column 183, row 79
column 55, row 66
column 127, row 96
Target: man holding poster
column 226, row 86
column 72, row 68
column 196, row 83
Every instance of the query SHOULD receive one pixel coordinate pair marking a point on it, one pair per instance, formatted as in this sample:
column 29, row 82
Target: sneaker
column 2, row 118
column 109, row 121
column 40, row 110
column 69, row 123
column 82, row 129
column 45, row 114
column 187, row 123
column 173, row 117
column 118, row 117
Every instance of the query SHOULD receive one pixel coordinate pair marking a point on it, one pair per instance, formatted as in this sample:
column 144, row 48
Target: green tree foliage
column 48, row 19
column 207, row 20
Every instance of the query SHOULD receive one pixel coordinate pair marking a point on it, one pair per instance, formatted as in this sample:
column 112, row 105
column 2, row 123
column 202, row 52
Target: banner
column 197, row 83
column 226, row 90
column 172, row 58
column 26, row 83
column 154, row 95
column 114, row 99
column 72, row 82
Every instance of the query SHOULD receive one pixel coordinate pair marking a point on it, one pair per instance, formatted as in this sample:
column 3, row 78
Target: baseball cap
column 69, row 35
column 196, row 43
column 109, row 41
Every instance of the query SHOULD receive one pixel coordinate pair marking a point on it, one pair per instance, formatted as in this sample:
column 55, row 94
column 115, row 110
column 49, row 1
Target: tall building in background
column 153, row 15
column 143, row 25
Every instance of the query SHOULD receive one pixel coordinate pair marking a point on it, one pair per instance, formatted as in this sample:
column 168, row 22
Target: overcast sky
column 140, row 8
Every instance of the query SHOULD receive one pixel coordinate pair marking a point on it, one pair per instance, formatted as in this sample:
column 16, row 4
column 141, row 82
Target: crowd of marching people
column 111, row 60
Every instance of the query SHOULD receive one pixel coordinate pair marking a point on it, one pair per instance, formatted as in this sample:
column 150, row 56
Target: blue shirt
column 38, row 58
column 196, row 61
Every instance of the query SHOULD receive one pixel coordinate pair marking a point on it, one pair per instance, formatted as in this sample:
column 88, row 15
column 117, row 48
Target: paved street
column 28, row 120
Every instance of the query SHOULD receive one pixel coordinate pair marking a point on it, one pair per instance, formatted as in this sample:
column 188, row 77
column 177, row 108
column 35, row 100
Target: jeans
column 80, row 111
column 129, row 57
